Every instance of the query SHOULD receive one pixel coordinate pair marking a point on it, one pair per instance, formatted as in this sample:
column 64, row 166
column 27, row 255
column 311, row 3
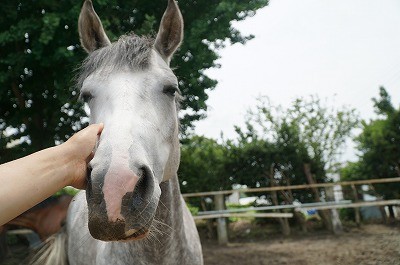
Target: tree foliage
column 202, row 165
column 379, row 145
column 322, row 130
column 39, row 49
column 278, row 142
column 272, row 150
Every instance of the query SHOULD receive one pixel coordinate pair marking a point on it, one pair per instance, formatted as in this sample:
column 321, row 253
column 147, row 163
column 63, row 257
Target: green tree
column 202, row 165
column 307, row 129
column 292, row 146
column 39, row 48
column 379, row 145
column 307, row 132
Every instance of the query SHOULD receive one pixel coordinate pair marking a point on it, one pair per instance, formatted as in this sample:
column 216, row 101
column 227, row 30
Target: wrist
column 67, row 151
column 75, row 164
column 69, row 162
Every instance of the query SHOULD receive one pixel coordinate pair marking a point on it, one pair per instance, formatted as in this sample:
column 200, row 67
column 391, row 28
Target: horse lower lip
column 142, row 233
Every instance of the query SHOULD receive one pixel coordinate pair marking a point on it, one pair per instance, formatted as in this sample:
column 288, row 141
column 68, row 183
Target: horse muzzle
column 122, row 202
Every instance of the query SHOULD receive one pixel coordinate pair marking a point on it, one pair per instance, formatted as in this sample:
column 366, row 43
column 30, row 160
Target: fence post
column 356, row 210
column 336, row 223
column 221, row 222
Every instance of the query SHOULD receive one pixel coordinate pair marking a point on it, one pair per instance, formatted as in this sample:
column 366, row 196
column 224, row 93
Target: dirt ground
column 370, row 244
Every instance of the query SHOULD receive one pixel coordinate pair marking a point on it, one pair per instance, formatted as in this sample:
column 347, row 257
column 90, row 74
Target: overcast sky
column 342, row 50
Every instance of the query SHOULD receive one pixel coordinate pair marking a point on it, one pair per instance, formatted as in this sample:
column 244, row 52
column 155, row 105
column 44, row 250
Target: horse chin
column 130, row 235
column 104, row 230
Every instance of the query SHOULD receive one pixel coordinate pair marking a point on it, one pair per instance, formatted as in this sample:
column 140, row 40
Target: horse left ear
column 170, row 34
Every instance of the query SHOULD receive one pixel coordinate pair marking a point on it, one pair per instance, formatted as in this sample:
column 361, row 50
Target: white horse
column 133, row 212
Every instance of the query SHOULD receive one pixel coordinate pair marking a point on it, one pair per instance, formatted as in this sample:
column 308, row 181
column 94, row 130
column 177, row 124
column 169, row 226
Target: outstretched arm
column 29, row 180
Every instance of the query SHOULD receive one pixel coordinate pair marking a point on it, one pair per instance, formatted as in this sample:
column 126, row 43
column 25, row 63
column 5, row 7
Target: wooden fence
column 220, row 212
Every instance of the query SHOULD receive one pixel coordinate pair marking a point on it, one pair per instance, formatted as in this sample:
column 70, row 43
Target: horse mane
column 130, row 51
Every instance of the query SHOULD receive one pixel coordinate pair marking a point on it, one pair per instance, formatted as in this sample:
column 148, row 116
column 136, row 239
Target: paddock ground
column 372, row 244
column 369, row 245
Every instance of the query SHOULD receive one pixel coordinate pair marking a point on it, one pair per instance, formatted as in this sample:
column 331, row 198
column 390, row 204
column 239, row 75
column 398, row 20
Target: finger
column 101, row 127
column 90, row 157
column 94, row 129
column 97, row 127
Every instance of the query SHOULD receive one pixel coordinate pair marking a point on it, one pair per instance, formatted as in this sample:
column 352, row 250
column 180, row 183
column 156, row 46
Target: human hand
column 80, row 151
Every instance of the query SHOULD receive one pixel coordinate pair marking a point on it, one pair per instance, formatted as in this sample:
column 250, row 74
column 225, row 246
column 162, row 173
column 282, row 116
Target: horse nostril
column 144, row 187
column 142, row 174
column 137, row 201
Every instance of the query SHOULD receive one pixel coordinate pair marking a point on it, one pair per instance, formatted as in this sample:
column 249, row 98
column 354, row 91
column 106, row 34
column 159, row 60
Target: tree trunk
column 381, row 208
column 356, row 210
column 383, row 213
column 323, row 213
column 397, row 167
column 288, row 195
column 391, row 213
column 284, row 223
column 209, row 222
column 301, row 220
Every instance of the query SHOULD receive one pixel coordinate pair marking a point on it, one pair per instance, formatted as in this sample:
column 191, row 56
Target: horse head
column 129, row 86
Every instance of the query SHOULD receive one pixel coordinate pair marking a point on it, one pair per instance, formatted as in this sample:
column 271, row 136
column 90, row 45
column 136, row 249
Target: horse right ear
column 170, row 34
column 91, row 30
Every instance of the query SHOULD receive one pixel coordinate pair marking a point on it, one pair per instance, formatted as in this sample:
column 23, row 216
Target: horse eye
column 171, row 90
column 86, row 97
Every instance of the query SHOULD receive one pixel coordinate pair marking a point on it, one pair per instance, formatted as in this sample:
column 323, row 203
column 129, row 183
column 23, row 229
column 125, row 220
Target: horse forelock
column 130, row 51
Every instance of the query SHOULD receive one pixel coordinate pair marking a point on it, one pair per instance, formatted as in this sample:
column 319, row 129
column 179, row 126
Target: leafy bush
column 193, row 209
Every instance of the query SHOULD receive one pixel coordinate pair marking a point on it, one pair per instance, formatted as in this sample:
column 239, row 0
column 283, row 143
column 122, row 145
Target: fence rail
column 278, row 207
column 294, row 187
column 221, row 213
column 354, row 205
column 258, row 215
